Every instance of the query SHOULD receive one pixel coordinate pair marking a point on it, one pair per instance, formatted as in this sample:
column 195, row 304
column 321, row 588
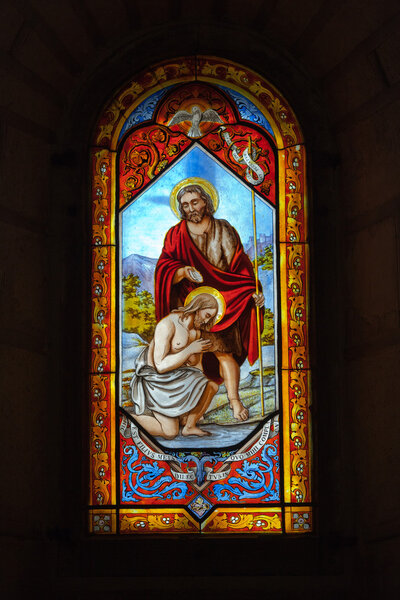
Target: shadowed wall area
column 338, row 64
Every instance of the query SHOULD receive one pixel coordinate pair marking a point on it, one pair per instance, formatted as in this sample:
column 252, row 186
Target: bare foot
column 194, row 431
column 239, row 411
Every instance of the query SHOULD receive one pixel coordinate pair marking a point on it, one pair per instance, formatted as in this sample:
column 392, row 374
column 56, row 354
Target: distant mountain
column 143, row 267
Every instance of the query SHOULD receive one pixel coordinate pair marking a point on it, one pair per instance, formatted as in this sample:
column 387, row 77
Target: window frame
column 295, row 376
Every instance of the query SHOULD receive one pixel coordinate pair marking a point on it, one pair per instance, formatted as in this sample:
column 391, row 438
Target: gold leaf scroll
column 295, row 281
column 100, row 456
column 245, row 521
column 294, row 193
column 101, row 490
column 101, row 193
column 296, row 306
column 299, row 456
column 281, row 114
column 160, row 522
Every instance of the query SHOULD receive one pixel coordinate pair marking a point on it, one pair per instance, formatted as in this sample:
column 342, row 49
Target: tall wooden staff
column 257, row 307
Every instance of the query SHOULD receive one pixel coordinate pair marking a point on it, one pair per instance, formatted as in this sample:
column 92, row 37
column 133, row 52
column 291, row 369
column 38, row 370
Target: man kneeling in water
column 169, row 387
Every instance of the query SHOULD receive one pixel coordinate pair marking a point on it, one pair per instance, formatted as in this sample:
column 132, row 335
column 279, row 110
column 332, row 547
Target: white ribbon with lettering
column 252, row 166
column 226, row 467
column 129, row 430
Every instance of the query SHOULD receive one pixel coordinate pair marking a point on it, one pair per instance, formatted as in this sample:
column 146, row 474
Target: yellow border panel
column 113, row 441
column 300, row 453
column 310, row 445
column 241, row 520
column 282, row 195
column 297, row 294
column 113, row 322
column 286, row 437
column 157, row 520
column 284, row 306
column 113, row 196
column 305, row 193
column 102, row 448
column 101, row 199
column 307, row 303
column 113, row 316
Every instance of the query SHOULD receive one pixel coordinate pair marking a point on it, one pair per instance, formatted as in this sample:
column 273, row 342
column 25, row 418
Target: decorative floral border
column 102, row 360
column 169, row 520
column 244, row 520
column 293, row 238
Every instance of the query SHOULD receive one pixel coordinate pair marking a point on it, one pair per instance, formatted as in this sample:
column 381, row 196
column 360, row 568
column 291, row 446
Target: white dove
column 195, row 117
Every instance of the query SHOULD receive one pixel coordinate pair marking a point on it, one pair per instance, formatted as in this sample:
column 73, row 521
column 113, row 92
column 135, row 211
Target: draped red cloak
column 237, row 285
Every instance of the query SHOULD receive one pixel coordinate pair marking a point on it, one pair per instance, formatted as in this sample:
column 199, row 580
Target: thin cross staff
column 253, row 201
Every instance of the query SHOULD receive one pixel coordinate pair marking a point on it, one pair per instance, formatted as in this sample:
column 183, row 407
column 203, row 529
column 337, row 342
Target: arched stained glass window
column 199, row 373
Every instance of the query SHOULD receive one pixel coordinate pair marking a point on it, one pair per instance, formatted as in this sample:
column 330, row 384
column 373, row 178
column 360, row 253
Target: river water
column 221, row 437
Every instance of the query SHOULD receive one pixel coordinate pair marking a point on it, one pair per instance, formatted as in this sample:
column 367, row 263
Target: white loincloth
column 171, row 394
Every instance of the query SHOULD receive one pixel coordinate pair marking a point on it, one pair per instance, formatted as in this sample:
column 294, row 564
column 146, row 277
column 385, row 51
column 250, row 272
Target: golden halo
column 205, row 289
column 208, row 187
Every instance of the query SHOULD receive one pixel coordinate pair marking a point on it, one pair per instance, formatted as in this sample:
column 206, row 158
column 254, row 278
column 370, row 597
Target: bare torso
column 180, row 336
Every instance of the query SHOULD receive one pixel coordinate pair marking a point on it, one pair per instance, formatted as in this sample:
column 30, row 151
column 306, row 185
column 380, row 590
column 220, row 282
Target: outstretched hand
column 189, row 273
column 259, row 300
column 192, row 274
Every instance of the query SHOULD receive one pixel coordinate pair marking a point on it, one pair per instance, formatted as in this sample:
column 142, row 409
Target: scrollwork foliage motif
column 250, row 521
column 299, row 436
column 140, row 523
column 146, row 479
column 101, row 291
column 297, row 320
column 100, row 441
column 101, row 197
column 256, row 479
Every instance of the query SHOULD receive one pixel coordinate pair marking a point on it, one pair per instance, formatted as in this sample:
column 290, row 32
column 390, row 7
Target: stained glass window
column 199, row 373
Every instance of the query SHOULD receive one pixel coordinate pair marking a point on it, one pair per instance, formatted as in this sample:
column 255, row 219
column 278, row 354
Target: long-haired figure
column 169, row 387
column 203, row 249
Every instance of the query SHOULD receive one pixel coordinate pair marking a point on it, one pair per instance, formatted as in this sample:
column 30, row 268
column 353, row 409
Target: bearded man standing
column 202, row 249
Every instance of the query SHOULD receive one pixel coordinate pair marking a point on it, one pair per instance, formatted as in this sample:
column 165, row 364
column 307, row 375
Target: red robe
column 237, row 285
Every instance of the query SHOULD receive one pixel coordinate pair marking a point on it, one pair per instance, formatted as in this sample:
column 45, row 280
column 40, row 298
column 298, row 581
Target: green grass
column 221, row 414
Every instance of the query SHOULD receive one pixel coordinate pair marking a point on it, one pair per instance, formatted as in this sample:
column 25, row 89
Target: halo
column 205, row 289
column 208, row 187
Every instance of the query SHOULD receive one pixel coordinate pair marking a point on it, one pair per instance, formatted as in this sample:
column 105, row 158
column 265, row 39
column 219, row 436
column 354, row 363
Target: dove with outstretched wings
column 195, row 117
